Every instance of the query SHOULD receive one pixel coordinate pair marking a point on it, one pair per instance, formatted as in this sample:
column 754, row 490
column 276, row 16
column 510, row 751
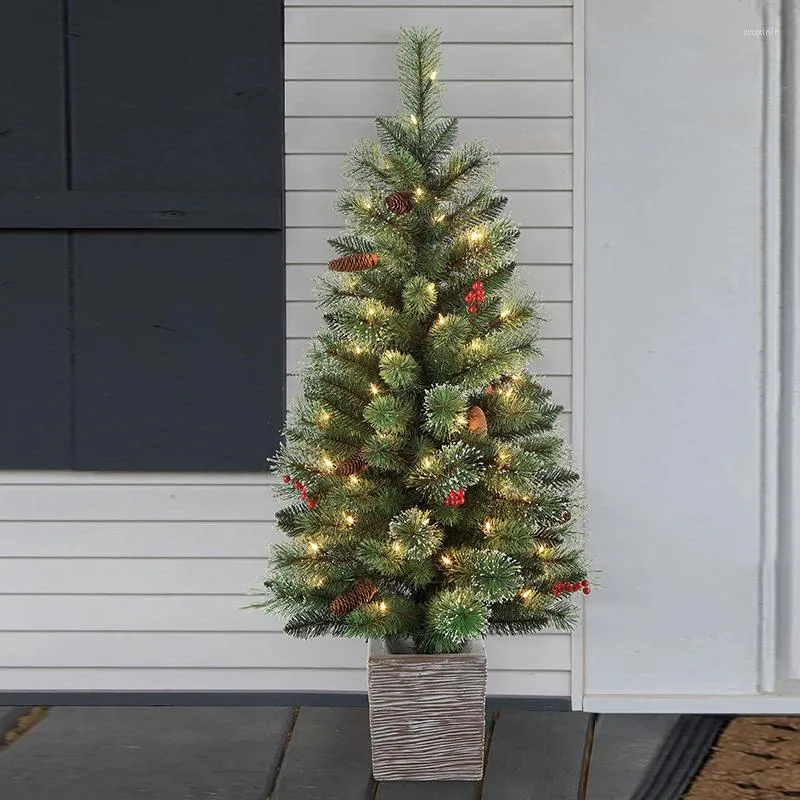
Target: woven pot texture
column 427, row 714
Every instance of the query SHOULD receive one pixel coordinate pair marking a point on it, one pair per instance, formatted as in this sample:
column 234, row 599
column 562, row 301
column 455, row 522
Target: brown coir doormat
column 755, row 758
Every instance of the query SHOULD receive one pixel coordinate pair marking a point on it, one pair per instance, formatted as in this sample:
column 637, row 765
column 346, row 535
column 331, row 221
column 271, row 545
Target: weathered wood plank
column 624, row 745
column 536, row 755
column 428, row 790
column 328, row 757
column 131, row 753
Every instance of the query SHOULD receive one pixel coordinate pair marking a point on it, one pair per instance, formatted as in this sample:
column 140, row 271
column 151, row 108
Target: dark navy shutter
column 146, row 270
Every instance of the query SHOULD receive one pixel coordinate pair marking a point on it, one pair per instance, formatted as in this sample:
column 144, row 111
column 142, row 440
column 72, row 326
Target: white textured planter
column 427, row 714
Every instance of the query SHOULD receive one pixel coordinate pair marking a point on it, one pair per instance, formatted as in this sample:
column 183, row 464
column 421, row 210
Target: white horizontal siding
column 552, row 282
column 464, row 25
column 556, row 358
column 206, row 679
column 513, row 173
column 114, row 582
column 537, row 246
column 187, row 649
column 476, row 98
column 539, row 209
column 424, row 3
column 538, row 135
column 463, row 62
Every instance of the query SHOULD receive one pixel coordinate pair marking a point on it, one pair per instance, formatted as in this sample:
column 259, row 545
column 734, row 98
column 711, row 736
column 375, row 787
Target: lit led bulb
column 446, row 560
column 414, row 120
column 383, row 607
column 349, row 520
column 374, row 389
column 526, row 594
column 476, row 235
column 505, row 313
column 397, row 547
column 426, row 462
column 419, row 191
column 313, row 548
column 487, row 526
column 432, row 76
column 327, row 463
column 354, row 479
column 437, row 218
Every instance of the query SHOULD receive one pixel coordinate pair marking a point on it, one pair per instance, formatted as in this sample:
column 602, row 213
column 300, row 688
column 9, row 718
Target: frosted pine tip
column 413, row 119
column 437, row 218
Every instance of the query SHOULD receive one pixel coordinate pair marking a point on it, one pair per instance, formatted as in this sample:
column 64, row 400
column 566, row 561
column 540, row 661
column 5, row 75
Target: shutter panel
column 164, row 194
column 34, row 273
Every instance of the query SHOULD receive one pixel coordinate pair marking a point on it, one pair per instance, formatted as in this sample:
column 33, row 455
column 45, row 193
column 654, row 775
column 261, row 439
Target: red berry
column 584, row 582
column 477, row 285
column 310, row 503
column 587, row 590
column 287, row 478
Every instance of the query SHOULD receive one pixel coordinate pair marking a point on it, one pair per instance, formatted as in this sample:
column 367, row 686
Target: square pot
column 427, row 714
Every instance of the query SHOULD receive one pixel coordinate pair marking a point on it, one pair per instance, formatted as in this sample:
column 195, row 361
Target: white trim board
column 691, row 704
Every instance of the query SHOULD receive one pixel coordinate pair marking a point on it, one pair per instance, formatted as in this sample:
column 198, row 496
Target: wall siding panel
column 136, row 583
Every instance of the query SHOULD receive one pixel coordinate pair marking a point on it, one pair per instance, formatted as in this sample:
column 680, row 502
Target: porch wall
column 134, row 582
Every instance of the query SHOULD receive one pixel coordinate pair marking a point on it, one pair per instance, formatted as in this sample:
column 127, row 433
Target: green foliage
column 462, row 532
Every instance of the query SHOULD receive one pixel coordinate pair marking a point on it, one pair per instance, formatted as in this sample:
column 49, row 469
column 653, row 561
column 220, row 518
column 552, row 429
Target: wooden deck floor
column 312, row 753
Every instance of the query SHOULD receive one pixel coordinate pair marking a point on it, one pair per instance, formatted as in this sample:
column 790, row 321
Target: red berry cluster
column 477, row 294
column 456, row 497
column 309, row 501
column 565, row 586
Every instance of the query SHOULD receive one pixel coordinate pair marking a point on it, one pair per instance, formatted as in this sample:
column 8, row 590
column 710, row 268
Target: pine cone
column 476, row 421
column 352, row 465
column 355, row 262
column 399, row 203
column 360, row 593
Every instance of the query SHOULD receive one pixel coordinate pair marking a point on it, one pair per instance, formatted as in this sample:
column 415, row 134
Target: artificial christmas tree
column 429, row 501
